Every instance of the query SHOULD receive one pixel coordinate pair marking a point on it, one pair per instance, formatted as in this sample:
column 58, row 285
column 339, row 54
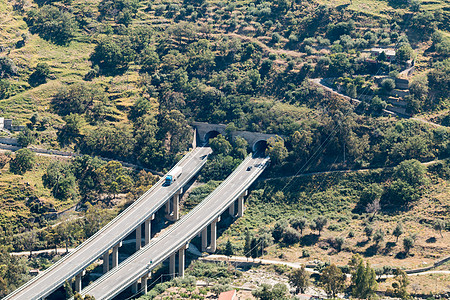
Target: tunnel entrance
column 210, row 135
column 260, row 146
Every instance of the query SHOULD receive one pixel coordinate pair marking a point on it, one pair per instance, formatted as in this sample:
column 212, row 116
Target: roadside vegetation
column 124, row 79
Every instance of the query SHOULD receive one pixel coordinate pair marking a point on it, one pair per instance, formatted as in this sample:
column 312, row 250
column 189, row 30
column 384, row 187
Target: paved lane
column 115, row 231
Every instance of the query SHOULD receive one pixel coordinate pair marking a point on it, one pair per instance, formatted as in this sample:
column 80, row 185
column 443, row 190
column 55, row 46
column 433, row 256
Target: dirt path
column 242, row 259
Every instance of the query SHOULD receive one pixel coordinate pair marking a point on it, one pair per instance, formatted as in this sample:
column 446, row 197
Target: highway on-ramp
column 180, row 233
column 111, row 234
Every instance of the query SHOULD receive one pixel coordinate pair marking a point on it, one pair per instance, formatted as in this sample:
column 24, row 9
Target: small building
column 229, row 295
column 390, row 53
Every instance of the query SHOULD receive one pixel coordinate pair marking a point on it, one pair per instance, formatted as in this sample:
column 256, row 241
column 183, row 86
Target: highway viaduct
column 137, row 219
column 173, row 242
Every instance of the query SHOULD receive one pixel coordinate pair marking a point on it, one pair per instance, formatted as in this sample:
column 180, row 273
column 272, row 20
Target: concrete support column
column 115, row 255
column 181, row 260
column 176, row 206
column 144, row 284
column 134, row 287
column 138, row 237
column 148, row 229
column 204, row 239
column 172, row 265
column 106, row 262
column 231, row 209
column 168, row 208
column 241, row 207
column 78, row 282
column 213, row 246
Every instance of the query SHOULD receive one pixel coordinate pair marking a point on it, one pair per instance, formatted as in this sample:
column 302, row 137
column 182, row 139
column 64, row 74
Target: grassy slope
column 336, row 197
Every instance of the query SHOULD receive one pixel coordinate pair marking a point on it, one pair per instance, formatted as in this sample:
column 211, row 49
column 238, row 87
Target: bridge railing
column 59, row 281
column 141, row 270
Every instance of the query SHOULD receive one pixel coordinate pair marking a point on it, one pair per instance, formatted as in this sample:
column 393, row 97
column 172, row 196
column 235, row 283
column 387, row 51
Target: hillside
column 124, row 79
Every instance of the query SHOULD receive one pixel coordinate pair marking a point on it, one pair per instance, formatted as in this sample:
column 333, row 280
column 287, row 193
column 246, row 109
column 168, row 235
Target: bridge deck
column 180, row 233
column 115, row 231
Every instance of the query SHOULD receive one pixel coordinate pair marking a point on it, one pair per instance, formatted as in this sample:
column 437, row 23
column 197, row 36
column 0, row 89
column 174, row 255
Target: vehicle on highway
column 173, row 175
column 249, row 168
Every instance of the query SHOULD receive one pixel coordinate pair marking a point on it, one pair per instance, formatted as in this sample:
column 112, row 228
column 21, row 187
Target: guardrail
column 141, row 270
column 59, row 281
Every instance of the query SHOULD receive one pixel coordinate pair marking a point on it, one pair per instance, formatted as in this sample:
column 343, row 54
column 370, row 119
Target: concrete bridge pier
column 106, row 262
column 181, row 260
column 144, row 284
column 241, row 207
column 172, row 265
column 138, row 237
column 148, row 229
column 213, row 246
column 115, row 255
column 204, row 239
column 173, row 211
column 134, row 287
column 78, row 281
column 232, row 210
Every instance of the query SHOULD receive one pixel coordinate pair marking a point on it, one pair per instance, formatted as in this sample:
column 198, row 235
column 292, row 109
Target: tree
column 300, row 279
column 378, row 236
column 247, row 244
column 339, row 241
column 363, row 281
column 370, row 194
column 26, row 137
column 368, row 230
column 114, row 179
column 299, row 223
column 401, row 284
column 404, row 53
column 60, row 179
column 79, row 98
column 419, row 88
column 219, row 144
column 291, row 236
column 411, row 171
column 268, row 292
column 68, row 290
column 229, row 249
column 53, row 24
column 7, row 67
column 320, row 223
column 388, row 84
column 398, row 231
column 112, row 55
column 40, row 74
column 408, row 244
column 439, row 225
column 24, row 161
column 279, row 228
column 332, row 280
column 276, row 149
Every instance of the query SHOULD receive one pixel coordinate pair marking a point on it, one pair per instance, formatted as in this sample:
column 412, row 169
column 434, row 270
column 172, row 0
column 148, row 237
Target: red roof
column 230, row 295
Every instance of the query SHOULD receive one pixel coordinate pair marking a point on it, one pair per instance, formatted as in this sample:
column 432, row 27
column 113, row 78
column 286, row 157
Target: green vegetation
column 124, row 79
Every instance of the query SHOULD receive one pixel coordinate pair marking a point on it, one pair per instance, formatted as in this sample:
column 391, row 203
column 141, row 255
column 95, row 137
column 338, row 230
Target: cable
column 344, row 114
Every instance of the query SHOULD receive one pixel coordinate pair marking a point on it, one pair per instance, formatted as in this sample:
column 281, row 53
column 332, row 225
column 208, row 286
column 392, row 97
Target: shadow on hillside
column 309, row 239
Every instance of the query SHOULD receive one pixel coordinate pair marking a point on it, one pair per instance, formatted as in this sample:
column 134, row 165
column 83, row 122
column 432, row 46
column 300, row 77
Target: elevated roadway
column 179, row 234
column 73, row 264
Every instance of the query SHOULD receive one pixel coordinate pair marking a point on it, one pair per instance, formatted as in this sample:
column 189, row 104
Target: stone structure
column 205, row 131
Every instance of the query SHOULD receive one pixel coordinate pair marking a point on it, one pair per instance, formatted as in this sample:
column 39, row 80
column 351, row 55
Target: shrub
column 291, row 236
column 53, row 24
column 24, row 161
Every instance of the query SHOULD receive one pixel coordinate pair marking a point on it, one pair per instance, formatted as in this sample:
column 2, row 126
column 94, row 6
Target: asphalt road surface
column 115, row 231
column 180, row 233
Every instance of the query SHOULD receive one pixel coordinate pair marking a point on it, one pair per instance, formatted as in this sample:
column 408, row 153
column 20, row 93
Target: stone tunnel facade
column 206, row 131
